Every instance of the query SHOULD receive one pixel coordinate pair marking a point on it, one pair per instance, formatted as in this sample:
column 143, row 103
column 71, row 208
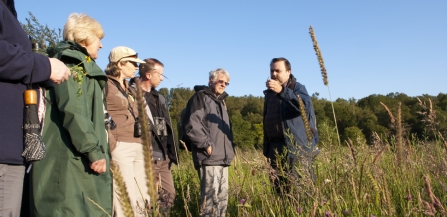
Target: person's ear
column 148, row 76
column 120, row 65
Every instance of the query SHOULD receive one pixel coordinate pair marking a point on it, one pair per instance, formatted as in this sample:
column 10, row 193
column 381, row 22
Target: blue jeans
column 11, row 185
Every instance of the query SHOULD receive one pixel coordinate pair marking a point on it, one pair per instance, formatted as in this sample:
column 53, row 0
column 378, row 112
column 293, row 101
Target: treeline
column 363, row 120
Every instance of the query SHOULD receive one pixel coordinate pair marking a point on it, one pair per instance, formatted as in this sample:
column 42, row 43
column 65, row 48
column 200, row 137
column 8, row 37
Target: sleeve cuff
column 95, row 155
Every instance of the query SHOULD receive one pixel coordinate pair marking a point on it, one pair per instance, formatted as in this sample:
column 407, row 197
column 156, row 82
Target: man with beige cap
column 124, row 140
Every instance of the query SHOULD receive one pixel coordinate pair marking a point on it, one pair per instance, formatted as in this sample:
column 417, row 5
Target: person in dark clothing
column 207, row 127
column 282, row 116
column 164, row 147
column 19, row 66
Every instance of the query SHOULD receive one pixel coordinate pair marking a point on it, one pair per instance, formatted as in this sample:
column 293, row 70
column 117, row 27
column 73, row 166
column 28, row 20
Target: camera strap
column 126, row 95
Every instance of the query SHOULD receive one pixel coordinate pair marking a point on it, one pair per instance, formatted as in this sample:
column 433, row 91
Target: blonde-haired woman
column 125, row 143
column 74, row 178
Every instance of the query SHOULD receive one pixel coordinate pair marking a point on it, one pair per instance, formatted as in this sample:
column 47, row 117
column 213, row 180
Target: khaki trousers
column 213, row 190
column 130, row 160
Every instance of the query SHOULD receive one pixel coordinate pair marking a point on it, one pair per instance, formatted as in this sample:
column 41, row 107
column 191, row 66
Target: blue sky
column 369, row 47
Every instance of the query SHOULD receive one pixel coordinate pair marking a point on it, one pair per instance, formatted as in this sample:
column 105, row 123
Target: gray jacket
column 206, row 123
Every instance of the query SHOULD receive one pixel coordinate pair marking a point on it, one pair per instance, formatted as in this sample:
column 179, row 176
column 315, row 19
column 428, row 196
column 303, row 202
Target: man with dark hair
column 284, row 127
column 164, row 148
column 19, row 66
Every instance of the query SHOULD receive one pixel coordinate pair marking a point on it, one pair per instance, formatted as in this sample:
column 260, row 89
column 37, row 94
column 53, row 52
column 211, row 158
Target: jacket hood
column 76, row 51
column 207, row 90
column 64, row 45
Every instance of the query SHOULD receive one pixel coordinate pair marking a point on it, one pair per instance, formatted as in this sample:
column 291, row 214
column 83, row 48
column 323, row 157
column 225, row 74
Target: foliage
column 355, row 134
column 41, row 34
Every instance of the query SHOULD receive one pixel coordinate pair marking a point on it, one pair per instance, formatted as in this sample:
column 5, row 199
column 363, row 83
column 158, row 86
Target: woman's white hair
column 82, row 29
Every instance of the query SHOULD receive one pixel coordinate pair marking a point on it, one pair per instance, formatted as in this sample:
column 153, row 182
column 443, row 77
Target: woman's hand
column 99, row 166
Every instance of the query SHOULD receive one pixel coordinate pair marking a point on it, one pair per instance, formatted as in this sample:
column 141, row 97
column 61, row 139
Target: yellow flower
column 89, row 59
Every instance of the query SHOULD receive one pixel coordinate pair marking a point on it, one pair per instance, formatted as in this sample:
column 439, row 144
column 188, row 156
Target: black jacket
column 157, row 145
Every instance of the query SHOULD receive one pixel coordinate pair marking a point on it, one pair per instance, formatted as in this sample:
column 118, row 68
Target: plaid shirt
column 272, row 119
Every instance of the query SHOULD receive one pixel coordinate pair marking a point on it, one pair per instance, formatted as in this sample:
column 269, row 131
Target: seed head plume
column 324, row 74
column 320, row 57
column 147, row 146
column 122, row 190
column 304, row 116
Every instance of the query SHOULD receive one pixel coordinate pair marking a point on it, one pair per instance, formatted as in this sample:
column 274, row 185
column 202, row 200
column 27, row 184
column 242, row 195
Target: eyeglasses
column 223, row 82
column 135, row 56
column 133, row 63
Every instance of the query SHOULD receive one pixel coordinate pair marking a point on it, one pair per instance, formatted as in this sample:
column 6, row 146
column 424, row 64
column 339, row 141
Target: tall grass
column 374, row 187
column 324, row 74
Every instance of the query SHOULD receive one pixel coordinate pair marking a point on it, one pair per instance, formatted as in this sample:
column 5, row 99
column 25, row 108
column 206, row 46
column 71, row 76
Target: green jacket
column 75, row 136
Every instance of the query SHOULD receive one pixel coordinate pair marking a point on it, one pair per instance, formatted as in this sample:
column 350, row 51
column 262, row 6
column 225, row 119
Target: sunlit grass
column 375, row 186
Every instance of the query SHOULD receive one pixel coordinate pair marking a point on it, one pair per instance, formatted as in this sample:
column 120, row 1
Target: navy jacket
column 17, row 61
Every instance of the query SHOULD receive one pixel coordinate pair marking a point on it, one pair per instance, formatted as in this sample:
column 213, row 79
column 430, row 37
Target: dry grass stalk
column 304, row 117
column 389, row 113
column 351, row 148
column 362, row 168
column 399, row 146
column 147, row 146
column 433, row 199
column 443, row 142
column 314, row 210
column 429, row 115
column 324, row 74
column 353, row 189
column 375, row 185
column 428, row 208
column 102, row 209
column 184, row 145
column 387, row 196
column 427, row 185
column 379, row 155
column 121, row 187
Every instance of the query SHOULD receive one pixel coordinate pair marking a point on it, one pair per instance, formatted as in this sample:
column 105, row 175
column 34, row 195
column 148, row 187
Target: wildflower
column 78, row 73
column 327, row 181
column 242, row 201
column 299, row 210
column 346, row 212
column 372, row 216
column 409, row 197
column 89, row 59
column 328, row 214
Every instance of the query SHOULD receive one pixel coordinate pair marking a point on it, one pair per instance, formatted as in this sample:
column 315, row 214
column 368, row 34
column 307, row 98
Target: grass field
column 351, row 181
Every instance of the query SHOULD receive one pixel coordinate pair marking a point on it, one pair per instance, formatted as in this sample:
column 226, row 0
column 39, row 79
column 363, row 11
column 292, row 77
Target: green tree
column 44, row 35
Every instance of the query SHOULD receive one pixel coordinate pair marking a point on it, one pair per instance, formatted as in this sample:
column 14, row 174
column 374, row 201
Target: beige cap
column 122, row 53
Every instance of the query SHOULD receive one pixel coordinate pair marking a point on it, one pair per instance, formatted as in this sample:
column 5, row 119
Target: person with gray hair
column 207, row 127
